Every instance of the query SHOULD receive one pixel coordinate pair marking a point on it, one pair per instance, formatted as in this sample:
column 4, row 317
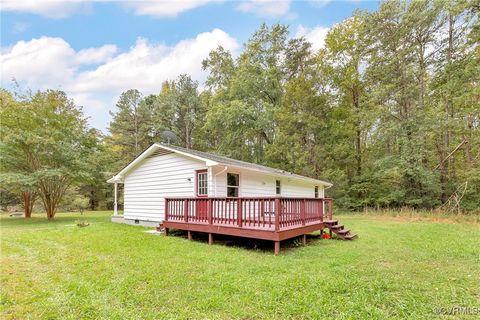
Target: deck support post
column 277, row 247
column 330, row 208
column 304, row 240
column 210, row 238
column 166, row 209
column 322, row 209
column 278, row 212
column 189, row 235
column 166, row 232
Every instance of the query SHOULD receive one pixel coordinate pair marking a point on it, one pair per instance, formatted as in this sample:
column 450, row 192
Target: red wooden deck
column 271, row 218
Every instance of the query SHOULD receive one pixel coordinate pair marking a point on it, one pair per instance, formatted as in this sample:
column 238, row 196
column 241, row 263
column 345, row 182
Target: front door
column 201, row 191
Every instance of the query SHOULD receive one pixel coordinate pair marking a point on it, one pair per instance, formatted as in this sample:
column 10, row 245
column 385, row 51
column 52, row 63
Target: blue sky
column 94, row 50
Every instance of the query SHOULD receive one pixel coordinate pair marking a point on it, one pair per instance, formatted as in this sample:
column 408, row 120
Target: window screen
column 202, row 188
column 233, row 183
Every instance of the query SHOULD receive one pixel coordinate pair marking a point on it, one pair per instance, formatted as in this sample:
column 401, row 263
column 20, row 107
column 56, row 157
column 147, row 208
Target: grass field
column 398, row 268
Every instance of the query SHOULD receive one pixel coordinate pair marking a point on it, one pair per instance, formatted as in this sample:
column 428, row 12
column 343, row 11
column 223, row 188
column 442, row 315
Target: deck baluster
column 302, row 211
column 185, row 208
column 239, row 212
column 209, row 211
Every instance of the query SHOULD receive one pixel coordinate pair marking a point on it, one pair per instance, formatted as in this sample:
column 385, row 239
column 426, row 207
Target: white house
column 166, row 171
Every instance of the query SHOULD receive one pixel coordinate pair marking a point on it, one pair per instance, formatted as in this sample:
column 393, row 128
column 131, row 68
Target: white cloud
column 266, row 8
column 96, row 55
column 146, row 65
column 165, row 8
column 96, row 76
column 55, row 9
column 58, row 9
column 43, row 62
column 316, row 36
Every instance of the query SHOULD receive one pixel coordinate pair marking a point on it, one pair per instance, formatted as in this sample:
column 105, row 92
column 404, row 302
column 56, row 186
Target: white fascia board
column 120, row 176
column 187, row 154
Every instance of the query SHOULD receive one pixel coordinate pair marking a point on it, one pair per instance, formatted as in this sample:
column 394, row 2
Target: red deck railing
column 249, row 212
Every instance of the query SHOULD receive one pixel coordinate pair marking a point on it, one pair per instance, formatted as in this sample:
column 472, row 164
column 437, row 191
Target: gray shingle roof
column 238, row 163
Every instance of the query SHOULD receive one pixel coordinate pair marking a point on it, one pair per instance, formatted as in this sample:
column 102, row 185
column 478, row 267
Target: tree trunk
column 467, row 148
column 51, row 210
column 358, row 131
column 28, row 198
column 50, row 206
column 445, row 163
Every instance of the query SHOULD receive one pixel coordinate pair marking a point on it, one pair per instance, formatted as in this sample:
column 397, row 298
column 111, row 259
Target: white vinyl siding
column 300, row 189
column 257, row 184
column 157, row 177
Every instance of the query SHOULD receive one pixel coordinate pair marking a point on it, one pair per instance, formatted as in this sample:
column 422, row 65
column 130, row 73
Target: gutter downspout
column 215, row 180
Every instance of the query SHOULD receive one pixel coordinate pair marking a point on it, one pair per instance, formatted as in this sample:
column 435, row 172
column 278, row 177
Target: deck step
column 337, row 227
column 350, row 236
column 342, row 232
column 330, row 222
column 339, row 230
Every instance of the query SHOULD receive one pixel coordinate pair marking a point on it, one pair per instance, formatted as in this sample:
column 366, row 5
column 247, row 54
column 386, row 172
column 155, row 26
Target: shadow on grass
column 263, row 246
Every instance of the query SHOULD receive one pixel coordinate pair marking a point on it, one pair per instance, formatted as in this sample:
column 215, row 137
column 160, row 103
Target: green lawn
column 396, row 269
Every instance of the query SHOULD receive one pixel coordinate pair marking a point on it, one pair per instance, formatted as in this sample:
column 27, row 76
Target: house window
column 202, row 185
column 233, row 182
column 316, row 191
column 278, row 188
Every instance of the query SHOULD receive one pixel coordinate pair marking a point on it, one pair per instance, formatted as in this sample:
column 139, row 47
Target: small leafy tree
column 23, row 187
column 81, row 203
column 15, row 176
column 45, row 139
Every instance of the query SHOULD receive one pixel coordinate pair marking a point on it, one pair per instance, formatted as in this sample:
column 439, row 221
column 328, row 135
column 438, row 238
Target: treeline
column 48, row 153
column 388, row 110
